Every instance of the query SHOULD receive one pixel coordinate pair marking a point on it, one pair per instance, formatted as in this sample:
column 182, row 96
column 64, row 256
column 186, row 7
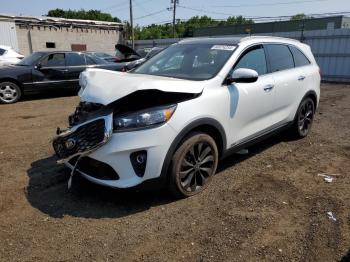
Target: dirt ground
column 267, row 205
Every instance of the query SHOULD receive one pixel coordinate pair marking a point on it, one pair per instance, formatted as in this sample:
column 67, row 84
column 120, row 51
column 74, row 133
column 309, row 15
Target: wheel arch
column 312, row 94
column 206, row 125
column 13, row 80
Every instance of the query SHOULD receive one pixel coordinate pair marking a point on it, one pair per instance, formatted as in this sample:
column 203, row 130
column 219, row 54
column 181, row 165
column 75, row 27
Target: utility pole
column 175, row 2
column 132, row 26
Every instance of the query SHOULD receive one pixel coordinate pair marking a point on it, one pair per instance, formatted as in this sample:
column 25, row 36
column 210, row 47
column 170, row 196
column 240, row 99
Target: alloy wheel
column 197, row 166
column 8, row 93
column 305, row 117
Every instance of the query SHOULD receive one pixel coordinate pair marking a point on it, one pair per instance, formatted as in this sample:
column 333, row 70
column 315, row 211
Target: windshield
column 188, row 61
column 31, row 60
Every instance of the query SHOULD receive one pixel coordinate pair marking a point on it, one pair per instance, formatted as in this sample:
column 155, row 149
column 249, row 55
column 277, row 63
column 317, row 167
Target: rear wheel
column 9, row 92
column 193, row 165
column 304, row 118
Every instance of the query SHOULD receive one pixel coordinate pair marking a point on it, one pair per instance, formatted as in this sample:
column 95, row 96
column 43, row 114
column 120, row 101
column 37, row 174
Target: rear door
column 51, row 72
column 252, row 104
column 76, row 64
column 286, row 76
column 306, row 72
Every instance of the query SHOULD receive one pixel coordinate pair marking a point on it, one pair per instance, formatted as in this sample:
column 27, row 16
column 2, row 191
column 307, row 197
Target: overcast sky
column 143, row 9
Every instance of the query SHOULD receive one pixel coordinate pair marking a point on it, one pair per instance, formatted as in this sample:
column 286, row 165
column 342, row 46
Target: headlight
column 143, row 119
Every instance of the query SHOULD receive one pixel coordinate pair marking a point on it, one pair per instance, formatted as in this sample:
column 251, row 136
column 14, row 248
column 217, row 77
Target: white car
column 8, row 56
column 174, row 117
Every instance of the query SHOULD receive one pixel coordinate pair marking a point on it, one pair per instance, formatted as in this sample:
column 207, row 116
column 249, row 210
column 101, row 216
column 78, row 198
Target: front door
column 252, row 104
column 50, row 72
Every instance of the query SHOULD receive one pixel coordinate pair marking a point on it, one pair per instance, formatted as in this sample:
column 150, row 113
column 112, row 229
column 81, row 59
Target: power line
column 269, row 4
column 315, row 15
column 230, row 14
column 258, row 18
column 202, row 10
column 151, row 14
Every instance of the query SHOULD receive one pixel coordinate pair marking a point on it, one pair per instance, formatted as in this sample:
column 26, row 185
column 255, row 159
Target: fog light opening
column 141, row 158
column 138, row 161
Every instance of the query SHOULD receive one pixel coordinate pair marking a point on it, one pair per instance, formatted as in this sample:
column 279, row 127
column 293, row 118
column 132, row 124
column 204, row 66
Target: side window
column 2, row 51
column 280, row 57
column 299, row 58
column 53, row 60
column 253, row 59
column 75, row 59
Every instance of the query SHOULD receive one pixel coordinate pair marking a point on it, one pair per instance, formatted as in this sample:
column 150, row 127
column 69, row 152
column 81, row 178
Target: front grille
column 84, row 138
column 95, row 168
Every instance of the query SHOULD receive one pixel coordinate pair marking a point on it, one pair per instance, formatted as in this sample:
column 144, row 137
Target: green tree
column 83, row 14
column 300, row 16
column 185, row 28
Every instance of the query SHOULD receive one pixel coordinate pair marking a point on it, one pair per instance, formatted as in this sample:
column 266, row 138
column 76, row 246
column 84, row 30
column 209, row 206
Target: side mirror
column 243, row 75
column 38, row 66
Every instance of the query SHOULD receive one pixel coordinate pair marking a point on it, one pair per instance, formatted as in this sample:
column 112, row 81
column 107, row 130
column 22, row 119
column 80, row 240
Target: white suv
column 192, row 104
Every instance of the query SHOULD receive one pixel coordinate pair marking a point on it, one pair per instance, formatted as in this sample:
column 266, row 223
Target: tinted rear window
column 2, row 51
column 74, row 59
column 280, row 57
column 299, row 58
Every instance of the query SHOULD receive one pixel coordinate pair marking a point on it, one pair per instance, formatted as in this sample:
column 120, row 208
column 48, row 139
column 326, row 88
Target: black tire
column 9, row 93
column 303, row 119
column 193, row 165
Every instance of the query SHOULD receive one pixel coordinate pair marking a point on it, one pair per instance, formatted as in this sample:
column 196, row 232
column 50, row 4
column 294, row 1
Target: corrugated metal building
column 28, row 34
column 335, row 22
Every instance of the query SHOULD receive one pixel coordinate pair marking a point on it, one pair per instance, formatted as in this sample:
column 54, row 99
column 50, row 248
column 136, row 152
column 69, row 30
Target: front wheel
column 9, row 92
column 304, row 118
column 193, row 165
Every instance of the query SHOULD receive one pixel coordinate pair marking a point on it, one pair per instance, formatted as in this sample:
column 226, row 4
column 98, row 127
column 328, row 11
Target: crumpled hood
column 105, row 86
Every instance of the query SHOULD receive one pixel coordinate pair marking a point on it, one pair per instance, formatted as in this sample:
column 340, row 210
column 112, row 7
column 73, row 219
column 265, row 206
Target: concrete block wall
column 94, row 39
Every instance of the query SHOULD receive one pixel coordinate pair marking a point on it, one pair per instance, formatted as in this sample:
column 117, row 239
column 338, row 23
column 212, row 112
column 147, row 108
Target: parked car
column 44, row 71
column 127, row 66
column 177, row 114
column 104, row 56
column 149, row 51
column 9, row 56
column 125, row 53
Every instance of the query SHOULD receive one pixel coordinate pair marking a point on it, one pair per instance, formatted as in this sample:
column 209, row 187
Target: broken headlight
column 143, row 119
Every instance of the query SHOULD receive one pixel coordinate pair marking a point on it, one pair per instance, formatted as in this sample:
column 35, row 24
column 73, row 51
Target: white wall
column 94, row 39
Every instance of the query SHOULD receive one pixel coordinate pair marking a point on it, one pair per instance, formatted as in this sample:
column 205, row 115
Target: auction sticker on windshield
column 223, row 47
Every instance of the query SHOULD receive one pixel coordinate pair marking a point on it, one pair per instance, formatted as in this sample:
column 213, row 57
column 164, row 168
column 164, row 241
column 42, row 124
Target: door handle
column 268, row 88
column 301, row 78
column 63, row 70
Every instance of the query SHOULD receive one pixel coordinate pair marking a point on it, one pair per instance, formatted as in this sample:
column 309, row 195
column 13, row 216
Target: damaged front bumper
column 79, row 141
column 108, row 160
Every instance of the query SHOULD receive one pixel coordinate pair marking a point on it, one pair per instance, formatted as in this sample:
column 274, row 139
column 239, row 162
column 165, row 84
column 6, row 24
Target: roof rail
column 266, row 36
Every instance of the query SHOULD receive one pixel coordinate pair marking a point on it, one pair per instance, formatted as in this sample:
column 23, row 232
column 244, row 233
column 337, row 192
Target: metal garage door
column 8, row 35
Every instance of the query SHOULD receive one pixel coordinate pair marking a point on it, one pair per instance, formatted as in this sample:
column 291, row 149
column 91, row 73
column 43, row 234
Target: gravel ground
column 267, row 205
